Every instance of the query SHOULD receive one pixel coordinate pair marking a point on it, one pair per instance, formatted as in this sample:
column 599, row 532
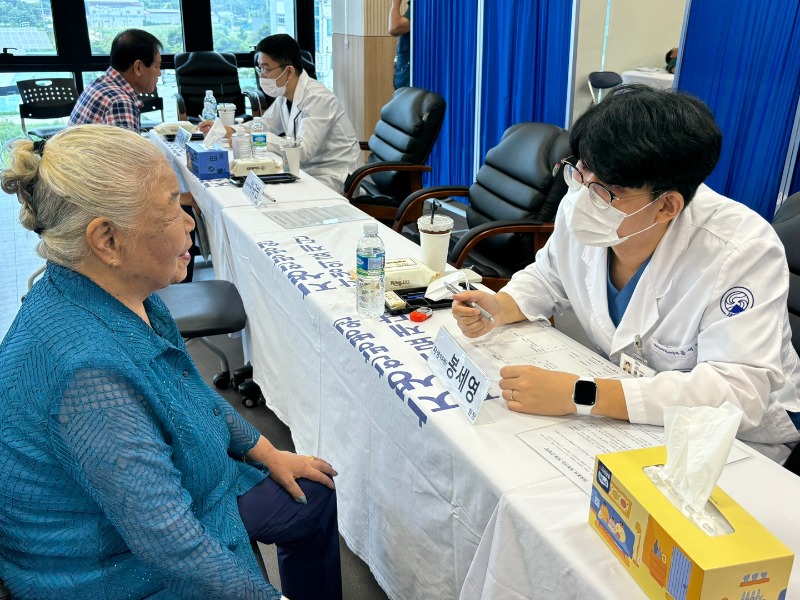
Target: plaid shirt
column 111, row 100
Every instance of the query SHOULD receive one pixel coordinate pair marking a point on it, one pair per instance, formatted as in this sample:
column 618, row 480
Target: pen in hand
column 454, row 290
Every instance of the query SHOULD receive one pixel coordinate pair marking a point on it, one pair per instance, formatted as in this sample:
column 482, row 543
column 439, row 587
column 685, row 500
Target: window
column 238, row 25
column 106, row 18
column 26, row 28
column 323, row 41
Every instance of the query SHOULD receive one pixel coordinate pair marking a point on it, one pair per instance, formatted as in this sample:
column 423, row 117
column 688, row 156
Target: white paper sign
column 253, row 188
column 182, row 136
column 458, row 374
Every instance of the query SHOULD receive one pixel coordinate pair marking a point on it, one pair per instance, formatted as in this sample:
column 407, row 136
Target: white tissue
column 436, row 290
column 699, row 440
column 215, row 134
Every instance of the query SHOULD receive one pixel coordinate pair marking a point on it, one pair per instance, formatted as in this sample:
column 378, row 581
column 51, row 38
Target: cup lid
column 441, row 223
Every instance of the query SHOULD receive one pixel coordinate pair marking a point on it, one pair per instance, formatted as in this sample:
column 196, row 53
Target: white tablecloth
column 658, row 78
column 418, row 484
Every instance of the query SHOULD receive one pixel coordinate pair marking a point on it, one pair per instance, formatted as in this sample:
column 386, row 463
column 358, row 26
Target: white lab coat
column 329, row 146
column 702, row 355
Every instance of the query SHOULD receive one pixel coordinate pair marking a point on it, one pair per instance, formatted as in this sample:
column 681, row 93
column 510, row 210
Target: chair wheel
column 241, row 375
column 249, row 402
column 222, row 381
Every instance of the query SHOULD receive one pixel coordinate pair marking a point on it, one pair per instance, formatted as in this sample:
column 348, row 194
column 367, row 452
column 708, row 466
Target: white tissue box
column 666, row 553
column 240, row 167
column 407, row 273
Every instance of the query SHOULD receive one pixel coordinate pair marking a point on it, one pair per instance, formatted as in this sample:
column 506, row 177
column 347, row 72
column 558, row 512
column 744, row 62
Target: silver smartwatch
column 584, row 395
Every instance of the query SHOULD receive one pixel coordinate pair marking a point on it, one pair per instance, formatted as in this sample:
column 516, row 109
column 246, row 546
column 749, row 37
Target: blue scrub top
column 618, row 299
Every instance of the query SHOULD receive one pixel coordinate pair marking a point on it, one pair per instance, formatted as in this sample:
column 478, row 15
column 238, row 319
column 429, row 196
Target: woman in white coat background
column 687, row 287
column 307, row 112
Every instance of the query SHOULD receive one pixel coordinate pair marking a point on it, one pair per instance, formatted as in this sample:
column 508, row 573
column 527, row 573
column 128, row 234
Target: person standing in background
column 400, row 26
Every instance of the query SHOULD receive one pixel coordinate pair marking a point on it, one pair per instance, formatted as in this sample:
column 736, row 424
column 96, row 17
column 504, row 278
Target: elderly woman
column 123, row 472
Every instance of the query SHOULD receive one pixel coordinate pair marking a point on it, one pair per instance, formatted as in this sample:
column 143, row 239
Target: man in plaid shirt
column 113, row 97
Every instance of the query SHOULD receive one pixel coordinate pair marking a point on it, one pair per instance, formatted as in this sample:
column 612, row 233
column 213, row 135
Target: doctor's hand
column 536, row 391
column 205, row 127
column 470, row 320
column 286, row 467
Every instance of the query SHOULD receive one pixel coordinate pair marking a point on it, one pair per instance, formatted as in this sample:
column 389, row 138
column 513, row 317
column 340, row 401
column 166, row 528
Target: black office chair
column 600, row 81
column 46, row 99
column 512, row 203
column 196, row 72
column 403, row 139
column 787, row 225
column 152, row 103
column 206, row 308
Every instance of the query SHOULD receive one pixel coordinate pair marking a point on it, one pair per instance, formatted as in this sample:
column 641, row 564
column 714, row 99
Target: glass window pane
column 239, row 25
column 323, row 37
column 27, row 28
column 10, row 123
column 106, row 18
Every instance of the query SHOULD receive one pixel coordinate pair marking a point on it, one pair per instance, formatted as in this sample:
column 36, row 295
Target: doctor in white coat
column 306, row 112
column 681, row 286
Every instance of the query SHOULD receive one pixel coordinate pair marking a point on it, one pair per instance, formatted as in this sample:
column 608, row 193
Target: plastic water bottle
column 258, row 136
column 370, row 262
column 240, row 144
column 209, row 106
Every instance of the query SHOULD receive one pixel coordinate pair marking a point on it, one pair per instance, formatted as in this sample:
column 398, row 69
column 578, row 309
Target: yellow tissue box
column 666, row 553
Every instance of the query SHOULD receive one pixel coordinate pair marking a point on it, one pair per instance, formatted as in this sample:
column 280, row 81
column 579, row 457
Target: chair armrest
column 474, row 236
column 257, row 100
column 181, row 107
column 393, row 165
column 407, row 206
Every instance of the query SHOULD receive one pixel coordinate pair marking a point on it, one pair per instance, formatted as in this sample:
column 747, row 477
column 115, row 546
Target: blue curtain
column 444, row 58
column 743, row 59
column 794, row 187
column 526, row 46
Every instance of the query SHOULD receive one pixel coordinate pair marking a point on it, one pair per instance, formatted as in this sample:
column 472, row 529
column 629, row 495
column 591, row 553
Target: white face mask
column 270, row 86
column 593, row 226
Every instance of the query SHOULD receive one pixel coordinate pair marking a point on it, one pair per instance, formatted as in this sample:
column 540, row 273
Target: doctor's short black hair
column 638, row 136
column 131, row 45
column 283, row 49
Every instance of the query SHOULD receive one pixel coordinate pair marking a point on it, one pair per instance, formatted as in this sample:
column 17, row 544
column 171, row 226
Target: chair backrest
column 47, row 98
column 602, row 80
column 196, row 72
column 516, row 181
column 787, row 226
column 409, row 125
column 152, row 102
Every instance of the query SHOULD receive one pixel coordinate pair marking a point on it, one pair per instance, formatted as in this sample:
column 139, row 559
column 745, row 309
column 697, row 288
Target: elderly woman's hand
column 286, row 467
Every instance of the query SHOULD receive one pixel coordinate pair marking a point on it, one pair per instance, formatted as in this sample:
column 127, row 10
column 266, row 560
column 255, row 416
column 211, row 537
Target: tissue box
column 667, row 554
column 406, row 273
column 265, row 166
column 207, row 163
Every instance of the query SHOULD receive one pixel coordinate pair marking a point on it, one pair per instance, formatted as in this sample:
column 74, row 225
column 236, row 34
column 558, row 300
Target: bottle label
column 370, row 265
column 259, row 139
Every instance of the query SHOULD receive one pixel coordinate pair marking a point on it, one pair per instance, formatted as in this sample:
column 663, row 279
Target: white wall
column 640, row 33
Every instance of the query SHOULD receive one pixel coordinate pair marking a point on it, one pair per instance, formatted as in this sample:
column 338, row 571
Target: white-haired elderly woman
column 122, row 470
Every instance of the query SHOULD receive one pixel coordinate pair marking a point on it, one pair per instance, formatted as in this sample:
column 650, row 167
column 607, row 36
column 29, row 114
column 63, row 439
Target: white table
column 418, row 484
column 654, row 77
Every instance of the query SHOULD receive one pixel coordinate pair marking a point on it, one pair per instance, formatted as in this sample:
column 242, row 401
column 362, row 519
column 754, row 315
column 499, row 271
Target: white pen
column 454, row 290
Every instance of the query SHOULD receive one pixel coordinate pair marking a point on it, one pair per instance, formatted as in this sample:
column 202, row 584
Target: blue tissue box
column 207, row 163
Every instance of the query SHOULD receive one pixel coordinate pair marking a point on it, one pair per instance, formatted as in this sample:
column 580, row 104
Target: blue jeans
column 307, row 536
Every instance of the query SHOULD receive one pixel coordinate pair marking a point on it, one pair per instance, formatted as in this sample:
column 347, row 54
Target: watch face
column 585, row 392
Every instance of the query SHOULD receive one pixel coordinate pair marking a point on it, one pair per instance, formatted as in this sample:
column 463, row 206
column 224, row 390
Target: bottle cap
column 421, row 314
column 370, row 228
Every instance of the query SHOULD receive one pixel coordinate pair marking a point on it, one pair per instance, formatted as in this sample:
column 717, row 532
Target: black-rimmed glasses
column 263, row 70
column 599, row 194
